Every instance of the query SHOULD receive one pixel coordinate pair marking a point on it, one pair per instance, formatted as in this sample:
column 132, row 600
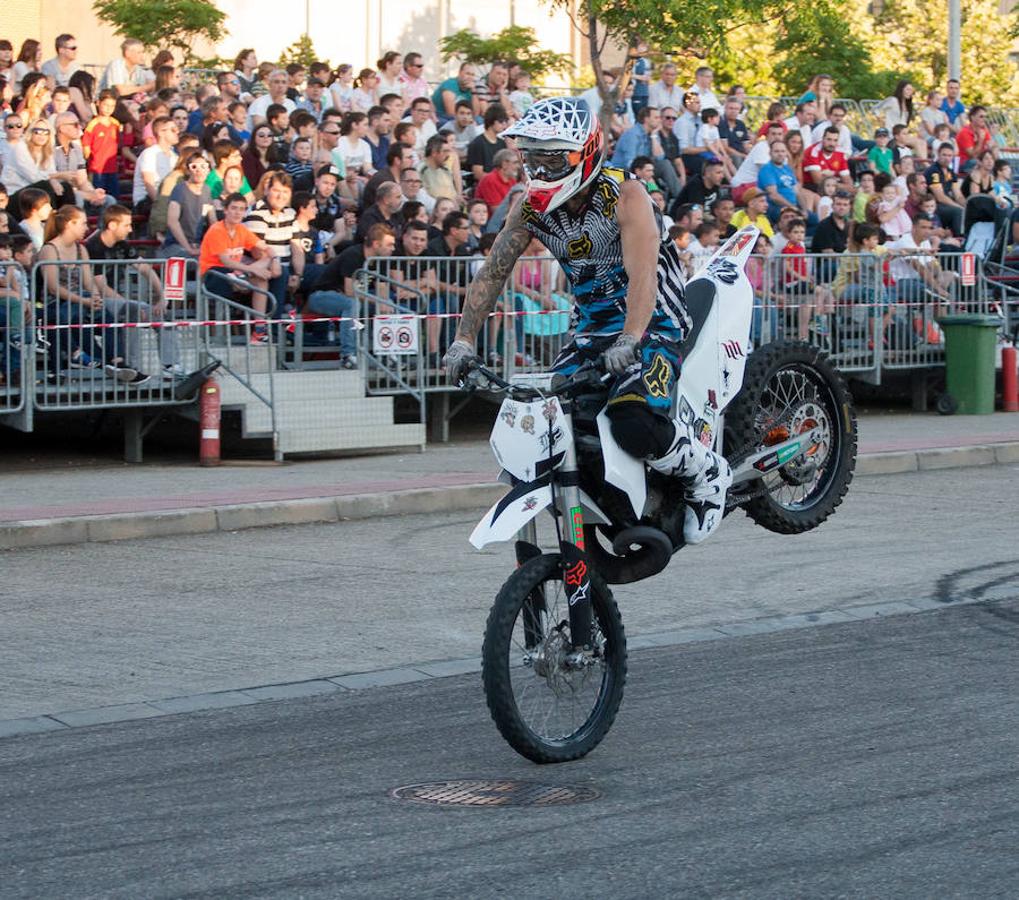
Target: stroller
column 986, row 227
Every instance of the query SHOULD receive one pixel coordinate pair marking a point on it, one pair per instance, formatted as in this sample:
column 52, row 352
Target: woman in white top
column 342, row 87
column 898, row 110
column 390, row 67
column 364, row 96
column 30, row 162
column 355, row 150
column 29, row 60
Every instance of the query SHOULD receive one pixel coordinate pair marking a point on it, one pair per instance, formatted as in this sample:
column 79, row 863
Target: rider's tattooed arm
column 638, row 232
column 484, row 290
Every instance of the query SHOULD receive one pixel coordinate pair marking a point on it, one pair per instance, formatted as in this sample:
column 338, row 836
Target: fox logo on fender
column 574, row 576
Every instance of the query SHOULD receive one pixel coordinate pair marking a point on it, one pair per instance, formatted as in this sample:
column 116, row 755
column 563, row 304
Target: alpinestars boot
column 708, row 477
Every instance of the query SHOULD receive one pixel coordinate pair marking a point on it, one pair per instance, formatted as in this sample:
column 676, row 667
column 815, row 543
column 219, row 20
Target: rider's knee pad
column 639, row 431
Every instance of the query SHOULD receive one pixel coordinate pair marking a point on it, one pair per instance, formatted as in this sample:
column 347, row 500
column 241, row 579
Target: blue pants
column 333, row 303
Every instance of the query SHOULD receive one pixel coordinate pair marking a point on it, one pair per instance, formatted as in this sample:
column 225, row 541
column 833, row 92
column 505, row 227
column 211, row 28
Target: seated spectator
column 365, row 94
column 482, row 150
column 436, row 173
column 154, row 164
column 35, row 209
column 858, row 282
column 299, row 167
column 272, row 219
column 755, row 213
column 398, row 158
column 827, row 196
column 641, row 140
column 733, row 130
column 1002, row 185
column 774, row 116
column 865, row 192
column 330, row 208
column 446, row 95
column 60, row 68
column 258, row 111
column 723, row 210
column 665, row 91
column 942, row 239
column 891, row 214
column 411, row 186
column 931, row 116
column 704, row 243
column 802, row 120
column 388, row 200
column 824, row 159
column 592, row 96
column 463, row 126
column 778, row 180
column 750, row 169
column 974, row 139
column 477, row 219
column 355, row 150
column 422, row 122
column 127, row 75
column 494, row 88
column 255, row 158
column 980, row 179
column 189, row 211
column 919, row 279
column 226, row 156
column 711, row 139
column 643, row 169
column 703, row 189
column 69, row 160
column 341, row 90
column 377, row 135
column 836, row 119
column 414, row 268
column 881, row 156
column 898, row 110
column 689, row 216
column 916, row 192
column 312, row 102
column 623, row 115
column 688, row 129
column 30, row 163
column 307, row 250
column 229, row 248
column 832, row 235
column 944, row 185
column 412, row 85
column 494, row 187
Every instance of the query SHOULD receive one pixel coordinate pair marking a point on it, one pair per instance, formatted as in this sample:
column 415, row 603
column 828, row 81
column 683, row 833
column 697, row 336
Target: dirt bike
column 554, row 654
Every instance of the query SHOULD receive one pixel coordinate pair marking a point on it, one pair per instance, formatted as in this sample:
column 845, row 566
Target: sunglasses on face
column 668, row 118
column 12, row 125
column 40, row 131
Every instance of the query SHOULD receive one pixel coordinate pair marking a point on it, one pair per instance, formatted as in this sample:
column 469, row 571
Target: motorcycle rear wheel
column 548, row 710
column 789, row 388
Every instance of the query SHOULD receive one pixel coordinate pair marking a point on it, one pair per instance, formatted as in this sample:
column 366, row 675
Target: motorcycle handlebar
column 589, row 375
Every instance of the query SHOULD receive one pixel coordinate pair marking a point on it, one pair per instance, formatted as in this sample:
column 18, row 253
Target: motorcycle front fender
column 520, row 506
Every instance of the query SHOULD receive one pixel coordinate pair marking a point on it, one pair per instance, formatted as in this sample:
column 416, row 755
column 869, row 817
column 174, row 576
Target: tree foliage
column 302, row 52
column 175, row 23
column 514, row 43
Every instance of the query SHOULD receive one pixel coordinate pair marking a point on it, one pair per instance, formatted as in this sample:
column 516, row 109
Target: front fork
column 576, row 571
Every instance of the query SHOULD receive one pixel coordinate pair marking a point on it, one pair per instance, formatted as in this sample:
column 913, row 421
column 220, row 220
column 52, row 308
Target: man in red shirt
column 974, row 138
column 495, row 185
column 823, row 159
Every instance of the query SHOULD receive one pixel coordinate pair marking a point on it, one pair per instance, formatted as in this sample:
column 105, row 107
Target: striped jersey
column 590, row 251
column 276, row 229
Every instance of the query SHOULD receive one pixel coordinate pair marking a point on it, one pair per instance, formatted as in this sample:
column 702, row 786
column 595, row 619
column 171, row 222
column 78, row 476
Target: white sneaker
column 705, row 501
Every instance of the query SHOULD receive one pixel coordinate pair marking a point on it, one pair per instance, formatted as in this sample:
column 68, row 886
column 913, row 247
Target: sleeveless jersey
column 589, row 250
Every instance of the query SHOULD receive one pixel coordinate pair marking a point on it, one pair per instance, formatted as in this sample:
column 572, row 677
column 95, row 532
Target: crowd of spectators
column 290, row 178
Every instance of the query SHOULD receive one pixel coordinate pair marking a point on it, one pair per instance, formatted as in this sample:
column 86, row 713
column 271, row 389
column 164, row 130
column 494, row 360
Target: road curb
column 460, row 498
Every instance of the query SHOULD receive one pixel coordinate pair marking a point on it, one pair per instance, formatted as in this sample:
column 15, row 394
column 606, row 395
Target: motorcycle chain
column 756, row 487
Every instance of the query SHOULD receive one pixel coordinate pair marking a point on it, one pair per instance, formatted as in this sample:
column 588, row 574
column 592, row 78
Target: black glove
column 459, row 354
column 621, row 355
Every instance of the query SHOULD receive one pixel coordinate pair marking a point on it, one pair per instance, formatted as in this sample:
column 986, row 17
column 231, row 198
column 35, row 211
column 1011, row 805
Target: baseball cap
column 328, row 169
column 881, row 132
column 750, row 193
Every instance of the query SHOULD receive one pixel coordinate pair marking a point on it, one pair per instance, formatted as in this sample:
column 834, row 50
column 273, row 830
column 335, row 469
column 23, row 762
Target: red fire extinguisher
column 208, row 423
column 1009, row 386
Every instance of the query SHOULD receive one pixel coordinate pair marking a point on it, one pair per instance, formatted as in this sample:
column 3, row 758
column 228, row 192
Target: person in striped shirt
column 272, row 220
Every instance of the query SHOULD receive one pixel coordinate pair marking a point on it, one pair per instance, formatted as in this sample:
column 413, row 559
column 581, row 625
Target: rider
column 605, row 232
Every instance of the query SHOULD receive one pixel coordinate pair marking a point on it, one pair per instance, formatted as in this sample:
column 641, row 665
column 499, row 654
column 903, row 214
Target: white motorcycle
column 554, row 655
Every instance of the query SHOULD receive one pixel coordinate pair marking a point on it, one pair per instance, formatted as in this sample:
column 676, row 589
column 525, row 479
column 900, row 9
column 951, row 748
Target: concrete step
column 310, row 440
column 338, row 414
column 317, row 385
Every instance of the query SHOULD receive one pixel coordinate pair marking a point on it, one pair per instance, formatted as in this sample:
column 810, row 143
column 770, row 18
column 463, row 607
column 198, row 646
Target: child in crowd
column 943, row 135
column 705, row 243
column 891, row 215
column 939, row 234
column 880, row 156
column 775, row 116
column 829, row 185
column 342, row 89
column 681, row 237
column 781, row 236
column 521, row 97
column 800, row 287
column 864, row 194
column 710, row 138
column 658, row 198
column 35, row 210
column 643, row 168
column 5, row 222
column 859, row 281
column 1002, row 185
column 757, row 271
column 16, row 311
column 905, row 167
column 100, row 143
column 299, row 167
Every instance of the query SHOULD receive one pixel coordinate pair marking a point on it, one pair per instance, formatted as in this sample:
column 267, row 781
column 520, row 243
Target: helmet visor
column 549, row 165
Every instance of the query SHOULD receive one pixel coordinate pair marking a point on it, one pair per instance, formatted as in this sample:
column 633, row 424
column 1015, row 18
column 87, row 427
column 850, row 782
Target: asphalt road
column 103, row 624
column 874, row 759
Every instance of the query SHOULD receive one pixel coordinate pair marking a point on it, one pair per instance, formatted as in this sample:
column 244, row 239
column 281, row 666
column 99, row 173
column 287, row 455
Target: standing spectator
column 944, row 185
column 481, row 151
column 388, row 200
column 451, row 90
column 734, row 131
column 494, row 88
column 931, row 116
column 640, row 74
column 974, row 139
column 101, row 143
column 28, row 61
column 824, row 159
column 389, row 67
column 952, row 106
column 58, row 71
column 412, row 85
column 435, row 173
column 664, row 92
column 258, row 112
column 496, row 184
column 704, row 78
column 272, row 220
column 154, row 164
column 836, row 119
column 463, row 126
column 802, row 120
column 688, row 131
column 128, row 75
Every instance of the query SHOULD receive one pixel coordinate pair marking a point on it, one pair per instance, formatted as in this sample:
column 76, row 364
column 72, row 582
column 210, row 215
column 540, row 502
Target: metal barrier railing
column 17, row 327
column 105, row 336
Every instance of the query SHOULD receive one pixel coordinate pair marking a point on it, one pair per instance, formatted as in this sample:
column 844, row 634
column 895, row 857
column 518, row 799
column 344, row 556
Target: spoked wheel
column 550, row 703
column 789, row 389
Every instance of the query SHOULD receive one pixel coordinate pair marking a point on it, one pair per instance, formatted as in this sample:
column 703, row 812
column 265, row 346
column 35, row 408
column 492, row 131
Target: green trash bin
column 970, row 342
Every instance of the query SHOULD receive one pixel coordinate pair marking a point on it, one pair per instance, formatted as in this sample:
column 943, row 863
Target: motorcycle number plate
column 527, row 434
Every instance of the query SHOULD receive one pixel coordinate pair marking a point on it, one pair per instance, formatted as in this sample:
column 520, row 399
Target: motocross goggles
column 549, row 165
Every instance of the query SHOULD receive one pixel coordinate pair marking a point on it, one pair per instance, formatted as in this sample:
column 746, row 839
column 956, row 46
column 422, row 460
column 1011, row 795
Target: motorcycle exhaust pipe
column 626, row 565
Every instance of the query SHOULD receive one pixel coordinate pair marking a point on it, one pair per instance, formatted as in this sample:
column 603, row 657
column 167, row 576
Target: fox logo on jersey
column 580, row 248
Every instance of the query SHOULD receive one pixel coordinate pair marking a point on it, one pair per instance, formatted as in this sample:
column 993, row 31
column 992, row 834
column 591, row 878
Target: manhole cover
column 493, row 793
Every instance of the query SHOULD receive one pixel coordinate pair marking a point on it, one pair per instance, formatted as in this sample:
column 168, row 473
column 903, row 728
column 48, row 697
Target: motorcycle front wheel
column 549, row 703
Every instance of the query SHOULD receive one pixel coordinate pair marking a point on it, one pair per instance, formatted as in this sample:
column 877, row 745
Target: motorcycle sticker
column 529, row 504
column 550, row 439
column 508, row 414
column 724, row 270
column 550, row 410
column 733, row 349
column 527, row 424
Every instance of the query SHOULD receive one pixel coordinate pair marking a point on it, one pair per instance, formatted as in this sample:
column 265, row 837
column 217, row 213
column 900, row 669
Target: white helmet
column 561, row 148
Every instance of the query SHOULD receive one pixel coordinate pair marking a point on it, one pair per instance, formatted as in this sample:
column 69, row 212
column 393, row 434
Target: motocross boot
column 707, row 476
